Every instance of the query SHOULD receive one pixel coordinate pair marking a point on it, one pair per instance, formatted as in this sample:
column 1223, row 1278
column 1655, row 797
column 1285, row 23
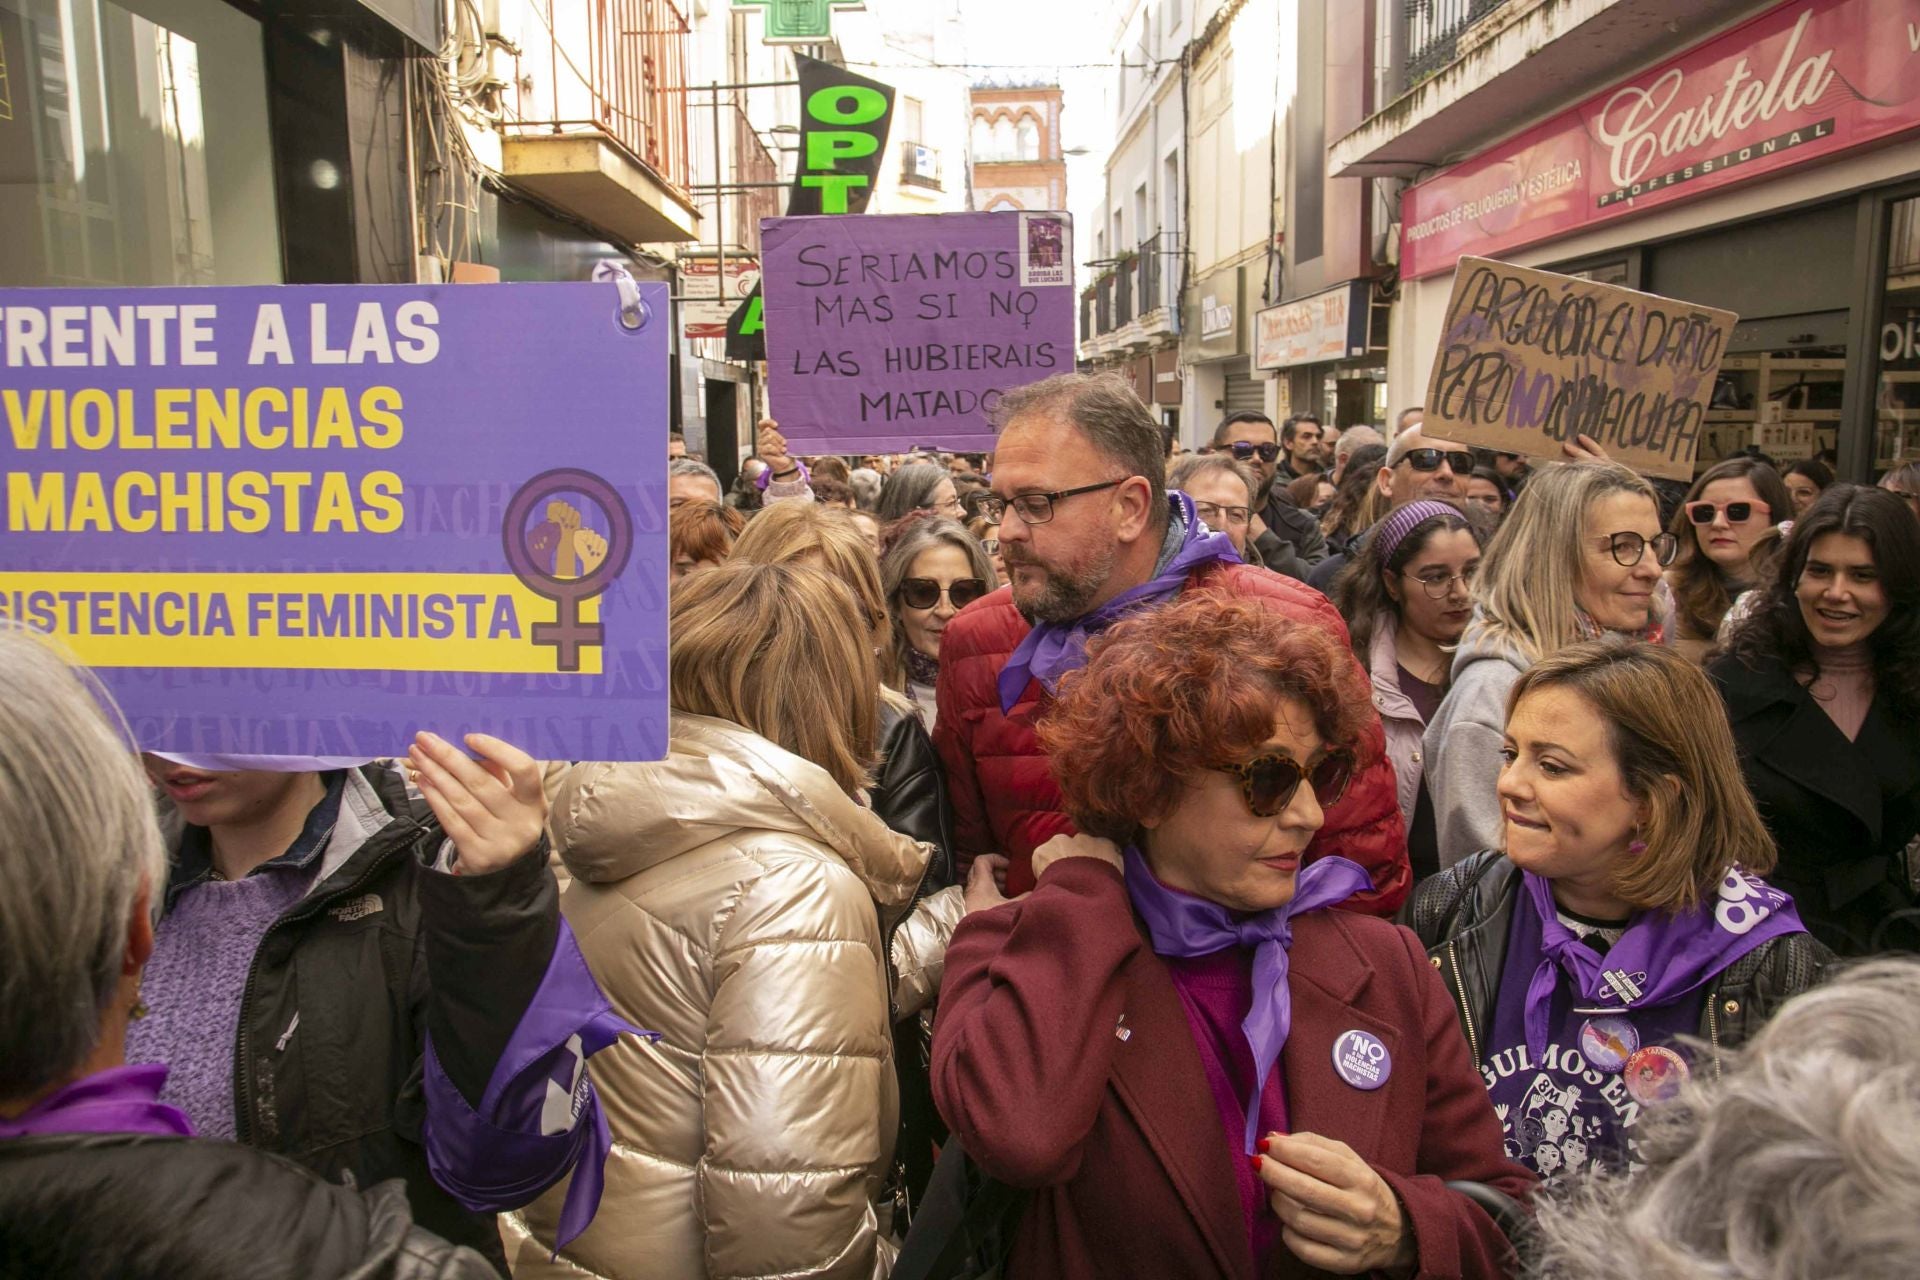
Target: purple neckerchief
column 1052, row 649
column 117, row 1100
column 539, row 1116
column 1662, row 955
column 1180, row 924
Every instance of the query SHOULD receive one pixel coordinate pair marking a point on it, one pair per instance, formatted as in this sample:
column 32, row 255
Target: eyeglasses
column 1268, row 782
column 1461, row 460
column 1219, row 517
column 1737, row 512
column 992, row 545
column 1245, row 450
column 1438, row 583
column 951, row 506
column 925, row 593
column 1629, row 548
column 1037, row 508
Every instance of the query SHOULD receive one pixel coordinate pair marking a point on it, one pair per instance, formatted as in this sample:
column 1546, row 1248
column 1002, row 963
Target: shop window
column 134, row 146
column 1896, row 434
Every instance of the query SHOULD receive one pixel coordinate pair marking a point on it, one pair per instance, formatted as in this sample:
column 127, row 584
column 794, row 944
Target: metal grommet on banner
column 633, row 313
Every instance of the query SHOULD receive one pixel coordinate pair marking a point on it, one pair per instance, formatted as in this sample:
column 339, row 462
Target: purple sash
column 1052, row 649
column 1180, row 924
column 118, row 1100
column 1662, row 955
column 539, row 1115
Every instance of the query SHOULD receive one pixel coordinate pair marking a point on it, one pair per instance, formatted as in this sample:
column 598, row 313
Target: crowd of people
column 1336, row 851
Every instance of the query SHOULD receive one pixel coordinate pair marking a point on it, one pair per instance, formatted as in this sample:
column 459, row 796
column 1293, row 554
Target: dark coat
column 161, row 1208
column 1841, row 812
column 1299, row 529
column 1004, row 796
column 1063, row 1061
column 341, row 1090
column 1463, row 916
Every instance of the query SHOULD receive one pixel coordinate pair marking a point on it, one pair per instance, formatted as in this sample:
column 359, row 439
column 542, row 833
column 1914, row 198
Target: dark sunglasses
column 1461, row 460
column 925, row 593
column 1737, row 512
column 1243, row 450
column 1268, row 782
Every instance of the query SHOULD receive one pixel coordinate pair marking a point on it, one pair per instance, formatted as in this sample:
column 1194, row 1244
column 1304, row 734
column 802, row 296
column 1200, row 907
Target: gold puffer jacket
column 726, row 898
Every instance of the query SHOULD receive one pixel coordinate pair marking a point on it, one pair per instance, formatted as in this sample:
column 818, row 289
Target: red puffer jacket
column 1005, row 799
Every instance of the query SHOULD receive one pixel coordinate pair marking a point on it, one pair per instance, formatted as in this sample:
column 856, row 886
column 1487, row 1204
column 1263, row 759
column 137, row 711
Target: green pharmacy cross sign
column 798, row 21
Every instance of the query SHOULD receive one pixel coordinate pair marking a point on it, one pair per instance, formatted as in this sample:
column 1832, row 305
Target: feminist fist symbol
column 584, row 563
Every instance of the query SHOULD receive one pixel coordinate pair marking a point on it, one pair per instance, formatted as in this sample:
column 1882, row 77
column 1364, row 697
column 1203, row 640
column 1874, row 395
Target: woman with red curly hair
column 1195, row 1067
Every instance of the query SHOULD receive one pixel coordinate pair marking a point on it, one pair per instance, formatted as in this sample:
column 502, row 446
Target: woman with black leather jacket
column 1625, row 912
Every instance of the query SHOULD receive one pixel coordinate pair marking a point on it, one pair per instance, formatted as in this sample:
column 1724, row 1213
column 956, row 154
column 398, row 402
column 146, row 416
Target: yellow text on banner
column 300, row 621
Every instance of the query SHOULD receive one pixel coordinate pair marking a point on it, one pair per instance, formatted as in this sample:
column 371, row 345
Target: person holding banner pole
column 99, row 1176
column 372, row 979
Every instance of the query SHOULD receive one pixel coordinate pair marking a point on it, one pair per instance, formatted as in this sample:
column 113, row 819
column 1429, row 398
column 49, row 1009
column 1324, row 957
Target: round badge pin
column 1655, row 1074
column 1608, row 1041
column 1361, row 1059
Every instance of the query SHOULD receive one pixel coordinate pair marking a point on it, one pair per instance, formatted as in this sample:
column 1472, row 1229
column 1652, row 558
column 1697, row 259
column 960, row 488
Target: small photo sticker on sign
column 1044, row 256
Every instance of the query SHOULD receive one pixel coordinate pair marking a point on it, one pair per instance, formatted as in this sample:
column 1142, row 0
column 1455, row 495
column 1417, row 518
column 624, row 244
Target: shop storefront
column 1325, row 352
column 1219, row 378
column 1771, row 171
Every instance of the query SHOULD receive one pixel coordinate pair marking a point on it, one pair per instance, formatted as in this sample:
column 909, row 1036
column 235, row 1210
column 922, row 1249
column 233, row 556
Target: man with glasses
column 1416, row 466
column 1089, row 534
column 1283, row 533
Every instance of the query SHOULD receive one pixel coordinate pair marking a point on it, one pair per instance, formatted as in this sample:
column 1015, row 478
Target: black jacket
column 1462, row 917
column 1289, row 529
column 1841, row 812
column 909, row 791
column 338, row 1003
column 132, row 1207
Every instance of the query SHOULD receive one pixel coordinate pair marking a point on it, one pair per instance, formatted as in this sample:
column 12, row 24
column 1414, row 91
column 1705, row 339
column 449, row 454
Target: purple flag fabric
column 1179, row 924
column 263, row 764
column 1662, row 955
column 117, row 1100
column 1052, row 649
column 539, row 1116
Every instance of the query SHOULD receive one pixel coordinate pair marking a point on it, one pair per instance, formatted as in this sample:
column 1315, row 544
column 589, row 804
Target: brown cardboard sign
column 1530, row 359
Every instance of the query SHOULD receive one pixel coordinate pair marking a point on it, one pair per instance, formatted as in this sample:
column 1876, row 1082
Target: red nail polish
column 1256, row 1163
column 1263, row 1145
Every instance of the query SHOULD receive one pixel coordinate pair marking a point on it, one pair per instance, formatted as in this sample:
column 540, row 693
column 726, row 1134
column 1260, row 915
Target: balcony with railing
column 1135, row 301
column 1452, row 75
column 1157, row 269
column 598, row 125
column 919, row 166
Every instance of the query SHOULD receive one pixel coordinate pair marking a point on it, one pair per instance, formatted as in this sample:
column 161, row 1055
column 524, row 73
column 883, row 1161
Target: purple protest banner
column 309, row 521
column 888, row 332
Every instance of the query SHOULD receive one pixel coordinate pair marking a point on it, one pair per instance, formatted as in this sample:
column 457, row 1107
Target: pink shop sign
column 1801, row 83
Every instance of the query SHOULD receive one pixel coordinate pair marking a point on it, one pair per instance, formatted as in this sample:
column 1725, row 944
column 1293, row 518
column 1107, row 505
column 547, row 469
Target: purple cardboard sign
column 888, row 332
column 309, row 521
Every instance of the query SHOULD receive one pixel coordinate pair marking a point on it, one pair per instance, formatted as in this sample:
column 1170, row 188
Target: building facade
column 1758, row 157
column 1018, row 159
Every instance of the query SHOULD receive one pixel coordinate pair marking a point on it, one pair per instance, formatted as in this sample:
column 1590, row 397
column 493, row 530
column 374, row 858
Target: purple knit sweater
column 193, row 986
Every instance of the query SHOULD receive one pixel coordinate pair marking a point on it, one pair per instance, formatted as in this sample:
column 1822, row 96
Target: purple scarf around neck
column 118, row 1100
column 1662, row 955
column 1179, row 924
column 1052, row 649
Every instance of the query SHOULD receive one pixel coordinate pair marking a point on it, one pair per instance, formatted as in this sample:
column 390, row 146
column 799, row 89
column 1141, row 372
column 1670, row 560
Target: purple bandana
column 1052, row 649
column 1661, row 957
column 1180, row 924
column 118, row 1100
column 539, row 1115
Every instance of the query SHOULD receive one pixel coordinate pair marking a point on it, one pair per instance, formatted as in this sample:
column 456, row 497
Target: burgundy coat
column 1121, row 1137
column 1006, row 801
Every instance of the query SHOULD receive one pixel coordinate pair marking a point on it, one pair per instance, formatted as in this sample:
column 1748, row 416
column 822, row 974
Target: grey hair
column 909, row 489
column 1355, row 438
column 907, row 545
column 78, row 844
column 1187, row 468
column 866, row 484
column 1801, row 1161
column 1104, row 408
column 695, row 467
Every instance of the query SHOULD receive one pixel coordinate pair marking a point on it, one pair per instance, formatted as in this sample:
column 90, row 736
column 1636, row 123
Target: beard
column 1069, row 589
